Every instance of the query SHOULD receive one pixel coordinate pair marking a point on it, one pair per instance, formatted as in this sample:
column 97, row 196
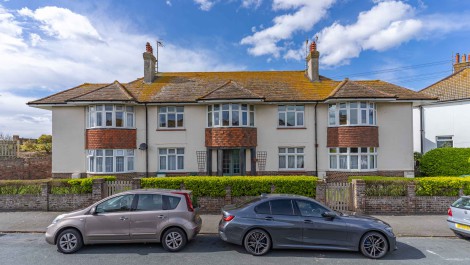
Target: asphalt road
column 26, row 249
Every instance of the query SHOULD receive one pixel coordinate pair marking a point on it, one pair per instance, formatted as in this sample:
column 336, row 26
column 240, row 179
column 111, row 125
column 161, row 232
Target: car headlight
column 58, row 218
column 389, row 229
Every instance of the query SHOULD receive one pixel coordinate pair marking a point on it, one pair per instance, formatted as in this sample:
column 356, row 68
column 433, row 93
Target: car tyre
column 69, row 241
column 174, row 239
column 257, row 242
column 374, row 245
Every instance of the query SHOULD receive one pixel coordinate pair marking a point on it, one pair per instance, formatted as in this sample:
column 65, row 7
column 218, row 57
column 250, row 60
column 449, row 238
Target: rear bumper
column 453, row 226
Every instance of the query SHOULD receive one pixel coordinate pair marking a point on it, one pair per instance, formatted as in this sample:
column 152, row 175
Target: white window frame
column 93, row 111
column 164, row 111
column 296, row 152
column 94, row 154
column 350, row 154
column 164, row 152
column 249, row 111
column 360, row 107
column 444, row 139
column 296, row 109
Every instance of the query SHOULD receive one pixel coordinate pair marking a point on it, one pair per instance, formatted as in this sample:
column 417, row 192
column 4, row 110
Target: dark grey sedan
column 291, row 221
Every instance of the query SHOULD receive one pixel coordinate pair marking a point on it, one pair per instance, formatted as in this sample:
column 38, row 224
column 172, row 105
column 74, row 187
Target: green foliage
column 43, row 144
column 21, row 187
column 384, row 186
column 446, row 162
column 240, row 185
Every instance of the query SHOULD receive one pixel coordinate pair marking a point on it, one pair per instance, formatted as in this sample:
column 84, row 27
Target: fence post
column 98, row 189
column 136, row 183
column 359, row 195
column 320, row 193
column 273, row 188
column 411, row 196
column 461, row 193
column 228, row 195
column 45, row 191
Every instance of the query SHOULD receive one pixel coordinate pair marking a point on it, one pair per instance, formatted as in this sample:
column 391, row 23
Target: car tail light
column 228, row 218
column 189, row 203
column 449, row 212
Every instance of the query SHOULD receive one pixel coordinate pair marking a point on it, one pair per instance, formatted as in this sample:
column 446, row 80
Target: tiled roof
column 271, row 86
column 112, row 92
column 453, row 87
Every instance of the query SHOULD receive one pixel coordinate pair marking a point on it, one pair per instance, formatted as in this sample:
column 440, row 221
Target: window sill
column 170, row 130
column 292, row 128
column 120, row 128
column 107, row 173
column 356, row 125
column 352, row 170
column 292, row 170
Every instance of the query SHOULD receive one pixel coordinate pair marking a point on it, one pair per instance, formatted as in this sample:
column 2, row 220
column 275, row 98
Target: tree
column 43, row 144
column 5, row 137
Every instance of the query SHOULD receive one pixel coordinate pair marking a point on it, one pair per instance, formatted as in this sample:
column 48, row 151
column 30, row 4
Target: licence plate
column 464, row 227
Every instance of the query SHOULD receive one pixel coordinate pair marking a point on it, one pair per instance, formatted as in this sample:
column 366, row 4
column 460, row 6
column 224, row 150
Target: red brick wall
column 231, row 137
column 353, row 136
column 111, row 139
column 26, row 168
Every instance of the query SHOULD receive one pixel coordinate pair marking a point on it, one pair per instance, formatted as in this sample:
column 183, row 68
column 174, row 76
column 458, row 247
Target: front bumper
column 50, row 234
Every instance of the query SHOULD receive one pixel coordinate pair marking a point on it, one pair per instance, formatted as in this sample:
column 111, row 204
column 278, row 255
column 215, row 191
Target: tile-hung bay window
column 110, row 161
column 444, row 141
column 352, row 113
column 171, row 117
column 230, row 115
column 171, row 159
column 353, row 158
column 291, row 158
column 114, row 116
column 291, row 115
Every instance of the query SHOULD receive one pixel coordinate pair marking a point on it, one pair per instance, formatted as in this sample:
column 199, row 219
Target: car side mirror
column 93, row 211
column 329, row 215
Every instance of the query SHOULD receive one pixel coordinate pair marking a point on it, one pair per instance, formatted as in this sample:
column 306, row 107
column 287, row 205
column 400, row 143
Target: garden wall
column 26, row 168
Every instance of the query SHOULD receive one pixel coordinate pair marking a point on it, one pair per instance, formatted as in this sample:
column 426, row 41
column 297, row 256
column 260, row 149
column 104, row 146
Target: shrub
column 384, row 186
column 240, row 185
column 441, row 186
column 21, row 187
column 446, row 162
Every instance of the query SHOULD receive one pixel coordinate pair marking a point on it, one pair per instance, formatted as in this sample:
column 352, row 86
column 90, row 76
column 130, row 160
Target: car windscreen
column 463, row 203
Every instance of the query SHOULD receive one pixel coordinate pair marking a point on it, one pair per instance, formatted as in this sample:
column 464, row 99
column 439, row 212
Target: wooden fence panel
column 9, row 149
column 113, row 187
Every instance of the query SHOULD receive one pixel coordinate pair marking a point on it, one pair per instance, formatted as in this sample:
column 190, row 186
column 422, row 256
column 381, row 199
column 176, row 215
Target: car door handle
column 123, row 218
column 308, row 221
column 268, row 218
column 161, row 216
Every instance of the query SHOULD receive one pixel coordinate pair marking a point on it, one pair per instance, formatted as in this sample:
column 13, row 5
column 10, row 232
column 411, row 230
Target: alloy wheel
column 69, row 241
column 374, row 245
column 173, row 240
column 257, row 242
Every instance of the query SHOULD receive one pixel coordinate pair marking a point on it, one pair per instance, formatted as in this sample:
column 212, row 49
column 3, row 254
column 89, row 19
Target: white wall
column 68, row 140
column 450, row 119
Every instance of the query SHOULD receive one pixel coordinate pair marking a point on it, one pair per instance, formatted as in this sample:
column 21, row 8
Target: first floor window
column 353, row 158
column 171, row 117
column 171, row 159
column 116, row 116
column 444, row 141
column 291, row 115
column 110, row 160
column 291, row 158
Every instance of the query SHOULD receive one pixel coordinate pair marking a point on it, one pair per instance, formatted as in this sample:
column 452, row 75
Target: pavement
column 403, row 226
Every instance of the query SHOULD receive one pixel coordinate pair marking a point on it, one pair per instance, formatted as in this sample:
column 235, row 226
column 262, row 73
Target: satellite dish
column 143, row 146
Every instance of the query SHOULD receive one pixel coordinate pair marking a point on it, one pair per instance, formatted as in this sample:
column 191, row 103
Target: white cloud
column 251, row 3
column 306, row 13
column 168, row 2
column 205, row 5
column 41, row 57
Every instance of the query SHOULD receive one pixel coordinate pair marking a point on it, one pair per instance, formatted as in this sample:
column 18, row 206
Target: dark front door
column 231, row 162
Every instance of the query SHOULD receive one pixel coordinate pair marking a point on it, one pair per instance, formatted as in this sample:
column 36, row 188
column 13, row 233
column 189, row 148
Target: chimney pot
column 457, row 58
column 464, row 58
column 148, row 48
column 313, row 46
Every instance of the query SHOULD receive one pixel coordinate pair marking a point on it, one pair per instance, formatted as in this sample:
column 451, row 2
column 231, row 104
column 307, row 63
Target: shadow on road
column 212, row 244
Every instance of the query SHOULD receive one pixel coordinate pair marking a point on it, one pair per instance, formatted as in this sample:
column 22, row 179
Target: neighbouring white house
column 233, row 123
column 446, row 122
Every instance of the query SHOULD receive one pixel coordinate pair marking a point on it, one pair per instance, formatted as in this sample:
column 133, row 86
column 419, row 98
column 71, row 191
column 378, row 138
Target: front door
column 231, row 162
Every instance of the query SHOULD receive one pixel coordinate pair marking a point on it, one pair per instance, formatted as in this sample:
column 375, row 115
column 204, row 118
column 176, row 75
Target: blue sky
column 49, row 46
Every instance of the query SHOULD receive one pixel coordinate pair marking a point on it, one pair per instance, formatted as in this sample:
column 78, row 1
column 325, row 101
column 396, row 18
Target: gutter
column 146, row 142
column 316, row 140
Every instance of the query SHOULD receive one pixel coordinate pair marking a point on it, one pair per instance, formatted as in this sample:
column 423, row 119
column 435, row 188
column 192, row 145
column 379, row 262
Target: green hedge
column 58, row 186
column 446, row 162
column 424, row 186
column 240, row 185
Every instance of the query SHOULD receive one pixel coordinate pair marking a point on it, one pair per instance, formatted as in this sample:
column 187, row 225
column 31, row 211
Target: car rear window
column 263, row 208
column 170, row 202
column 463, row 203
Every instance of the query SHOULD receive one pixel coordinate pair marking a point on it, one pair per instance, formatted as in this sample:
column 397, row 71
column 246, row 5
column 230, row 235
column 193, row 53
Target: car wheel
column 174, row 239
column 374, row 245
column 257, row 242
column 69, row 241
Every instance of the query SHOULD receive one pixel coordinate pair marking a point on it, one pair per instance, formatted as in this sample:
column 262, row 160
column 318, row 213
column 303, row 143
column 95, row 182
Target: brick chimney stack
column 149, row 64
column 461, row 62
column 312, row 63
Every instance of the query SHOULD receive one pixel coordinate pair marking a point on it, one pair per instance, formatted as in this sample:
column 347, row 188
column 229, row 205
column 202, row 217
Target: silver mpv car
column 140, row 216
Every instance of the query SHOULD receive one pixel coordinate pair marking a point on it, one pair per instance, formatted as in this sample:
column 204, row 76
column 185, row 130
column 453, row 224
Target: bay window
column 110, row 161
column 110, row 116
column 353, row 158
column 352, row 114
column 230, row 115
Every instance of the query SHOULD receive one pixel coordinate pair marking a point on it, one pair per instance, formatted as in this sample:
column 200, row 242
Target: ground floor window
column 291, row 158
column 171, row 159
column 353, row 158
column 444, row 141
column 110, row 160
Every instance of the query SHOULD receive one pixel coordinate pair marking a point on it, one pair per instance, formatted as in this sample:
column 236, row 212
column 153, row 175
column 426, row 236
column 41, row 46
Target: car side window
column 149, row 202
column 170, row 202
column 117, row 204
column 282, row 207
column 263, row 208
column 310, row 209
